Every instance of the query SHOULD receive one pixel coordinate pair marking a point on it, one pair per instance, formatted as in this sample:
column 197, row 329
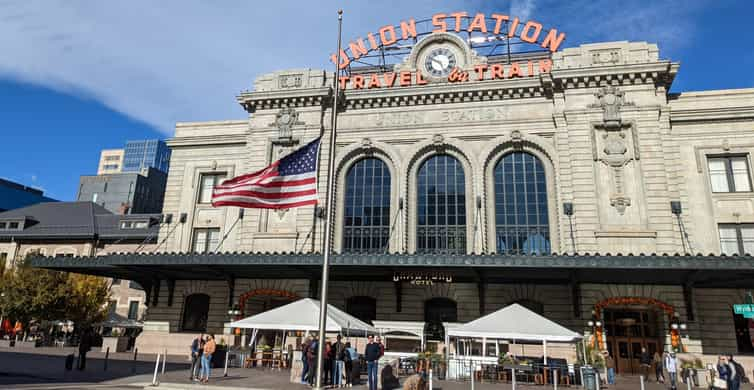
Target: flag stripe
column 253, row 199
column 269, row 195
column 264, row 206
column 288, row 189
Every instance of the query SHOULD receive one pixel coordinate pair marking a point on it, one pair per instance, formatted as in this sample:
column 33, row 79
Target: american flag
column 286, row 183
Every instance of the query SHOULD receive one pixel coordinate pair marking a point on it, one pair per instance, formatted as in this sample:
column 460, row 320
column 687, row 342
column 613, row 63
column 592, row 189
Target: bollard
column 581, row 373
column 107, row 354
column 156, row 368
column 225, row 372
column 555, row 379
column 641, row 380
column 430, row 378
column 133, row 365
column 164, row 359
column 473, row 374
column 688, row 383
column 513, row 378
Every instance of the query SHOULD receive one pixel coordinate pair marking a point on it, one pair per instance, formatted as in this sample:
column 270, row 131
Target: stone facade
column 613, row 142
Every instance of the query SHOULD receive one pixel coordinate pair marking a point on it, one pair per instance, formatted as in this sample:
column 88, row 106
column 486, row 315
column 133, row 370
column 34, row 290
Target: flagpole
column 328, row 213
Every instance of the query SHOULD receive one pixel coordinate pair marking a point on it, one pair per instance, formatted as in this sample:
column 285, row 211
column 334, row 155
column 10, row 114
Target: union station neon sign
column 494, row 27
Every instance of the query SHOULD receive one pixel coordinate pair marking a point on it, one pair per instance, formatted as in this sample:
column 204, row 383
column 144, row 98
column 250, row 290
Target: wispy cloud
column 168, row 61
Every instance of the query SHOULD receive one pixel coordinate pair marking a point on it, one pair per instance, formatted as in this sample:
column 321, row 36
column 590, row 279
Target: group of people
column 729, row 372
column 202, row 349
column 341, row 360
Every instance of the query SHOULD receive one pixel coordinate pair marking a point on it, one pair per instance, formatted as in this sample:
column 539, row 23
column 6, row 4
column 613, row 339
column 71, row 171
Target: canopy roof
column 515, row 322
column 115, row 320
column 304, row 315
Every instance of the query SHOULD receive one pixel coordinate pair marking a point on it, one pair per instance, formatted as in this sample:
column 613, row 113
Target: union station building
column 569, row 181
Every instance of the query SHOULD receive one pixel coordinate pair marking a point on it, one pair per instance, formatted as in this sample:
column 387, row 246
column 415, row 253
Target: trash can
column 590, row 378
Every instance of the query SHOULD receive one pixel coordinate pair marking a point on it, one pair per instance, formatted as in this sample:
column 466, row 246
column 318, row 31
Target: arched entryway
column 630, row 324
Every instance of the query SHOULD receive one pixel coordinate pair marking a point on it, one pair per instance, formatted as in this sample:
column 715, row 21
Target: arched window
column 366, row 224
column 532, row 305
column 362, row 307
column 441, row 206
column 437, row 311
column 195, row 312
column 521, row 212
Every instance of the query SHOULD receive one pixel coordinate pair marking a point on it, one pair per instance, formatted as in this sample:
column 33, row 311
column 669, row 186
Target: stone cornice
column 205, row 140
column 660, row 73
column 711, row 114
column 297, row 98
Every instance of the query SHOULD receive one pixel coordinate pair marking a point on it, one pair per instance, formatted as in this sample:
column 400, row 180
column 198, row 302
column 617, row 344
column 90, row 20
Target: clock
column 440, row 61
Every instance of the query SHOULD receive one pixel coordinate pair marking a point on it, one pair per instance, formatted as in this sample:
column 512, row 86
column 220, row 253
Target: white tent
column 515, row 322
column 303, row 315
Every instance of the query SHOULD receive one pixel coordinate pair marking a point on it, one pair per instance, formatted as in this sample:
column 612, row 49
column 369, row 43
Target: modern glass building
column 146, row 153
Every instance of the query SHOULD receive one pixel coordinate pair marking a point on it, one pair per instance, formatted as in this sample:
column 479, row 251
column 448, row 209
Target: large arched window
column 195, row 313
column 366, row 224
column 441, row 206
column 437, row 311
column 521, row 212
column 362, row 307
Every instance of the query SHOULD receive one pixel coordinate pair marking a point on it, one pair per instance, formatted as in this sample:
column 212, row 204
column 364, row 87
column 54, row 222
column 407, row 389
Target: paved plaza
column 44, row 368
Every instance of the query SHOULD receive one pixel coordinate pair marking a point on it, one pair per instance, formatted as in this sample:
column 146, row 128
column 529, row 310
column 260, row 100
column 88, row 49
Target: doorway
column 628, row 331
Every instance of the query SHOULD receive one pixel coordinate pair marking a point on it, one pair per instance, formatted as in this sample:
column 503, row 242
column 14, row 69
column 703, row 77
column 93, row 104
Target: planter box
column 116, row 344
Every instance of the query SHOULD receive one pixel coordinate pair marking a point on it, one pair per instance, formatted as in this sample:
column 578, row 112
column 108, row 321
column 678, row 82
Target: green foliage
column 44, row 295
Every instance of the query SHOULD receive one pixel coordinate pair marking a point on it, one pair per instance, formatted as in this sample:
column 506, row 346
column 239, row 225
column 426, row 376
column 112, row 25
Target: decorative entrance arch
column 632, row 329
column 264, row 292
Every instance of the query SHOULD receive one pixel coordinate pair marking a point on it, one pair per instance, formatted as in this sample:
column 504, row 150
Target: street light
column 676, row 326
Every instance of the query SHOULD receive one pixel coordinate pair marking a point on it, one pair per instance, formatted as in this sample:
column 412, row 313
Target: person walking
column 610, row 365
column 646, row 362
column 671, row 364
column 723, row 373
column 327, row 374
column 209, row 349
column 352, row 363
column 305, row 359
column 372, row 356
column 657, row 361
column 737, row 374
column 339, row 355
column 85, row 344
column 196, row 355
column 312, row 356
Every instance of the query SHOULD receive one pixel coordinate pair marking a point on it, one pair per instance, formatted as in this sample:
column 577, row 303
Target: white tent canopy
column 515, row 322
column 303, row 315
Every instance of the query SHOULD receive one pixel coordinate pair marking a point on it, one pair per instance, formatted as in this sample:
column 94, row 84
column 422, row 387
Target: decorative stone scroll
column 285, row 119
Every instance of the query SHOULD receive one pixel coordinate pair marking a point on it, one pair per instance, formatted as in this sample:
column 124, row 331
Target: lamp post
column 595, row 323
column 677, row 327
column 233, row 314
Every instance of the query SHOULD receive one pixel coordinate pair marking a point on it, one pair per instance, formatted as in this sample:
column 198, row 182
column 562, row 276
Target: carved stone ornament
column 620, row 203
column 285, row 119
column 281, row 213
column 438, row 140
column 725, row 145
column 367, row 144
column 610, row 99
column 517, row 139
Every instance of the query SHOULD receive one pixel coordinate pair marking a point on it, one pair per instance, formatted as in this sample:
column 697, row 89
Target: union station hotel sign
column 481, row 160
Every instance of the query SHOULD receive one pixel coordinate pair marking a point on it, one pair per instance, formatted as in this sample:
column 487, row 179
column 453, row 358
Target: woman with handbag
column 723, row 374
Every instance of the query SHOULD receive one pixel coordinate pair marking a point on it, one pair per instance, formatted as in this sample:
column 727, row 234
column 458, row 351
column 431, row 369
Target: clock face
column 440, row 61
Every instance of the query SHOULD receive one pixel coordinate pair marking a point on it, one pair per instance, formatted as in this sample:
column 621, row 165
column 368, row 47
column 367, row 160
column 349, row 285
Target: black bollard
column 107, row 354
column 133, row 366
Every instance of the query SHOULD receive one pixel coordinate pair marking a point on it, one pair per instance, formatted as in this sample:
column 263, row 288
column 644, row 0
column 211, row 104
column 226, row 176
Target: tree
column 40, row 294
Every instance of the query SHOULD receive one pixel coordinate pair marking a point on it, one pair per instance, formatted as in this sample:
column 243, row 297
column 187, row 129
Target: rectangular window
column 737, row 239
column 111, row 306
column 12, row 225
column 206, row 183
column 134, row 224
column 133, row 310
column 2, row 225
column 729, row 173
column 206, row 240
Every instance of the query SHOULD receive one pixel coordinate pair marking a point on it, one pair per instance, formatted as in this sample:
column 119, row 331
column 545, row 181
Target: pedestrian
column 312, row 356
column 209, row 349
column 372, row 356
column 196, row 355
column 378, row 340
column 737, row 374
column 646, row 362
column 328, row 363
column 657, row 361
column 348, row 358
column 355, row 366
column 305, row 359
column 722, row 381
column 339, row 365
column 671, row 364
column 85, row 344
column 610, row 365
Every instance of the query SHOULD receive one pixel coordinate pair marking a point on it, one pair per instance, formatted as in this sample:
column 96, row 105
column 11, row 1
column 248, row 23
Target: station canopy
column 303, row 315
column 515, row 322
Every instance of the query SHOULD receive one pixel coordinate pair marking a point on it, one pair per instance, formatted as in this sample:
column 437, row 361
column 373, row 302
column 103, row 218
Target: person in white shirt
column 671, row 364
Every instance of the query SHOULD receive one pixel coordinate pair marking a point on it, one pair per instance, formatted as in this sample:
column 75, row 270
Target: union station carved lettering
column 397, row 119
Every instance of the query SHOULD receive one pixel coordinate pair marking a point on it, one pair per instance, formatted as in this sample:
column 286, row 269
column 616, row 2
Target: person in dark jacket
column 305, row 359
column 723, row 371
column 197, row 347
column 85, row 344
column 372, row 355
column 312, row 357
column 646, row 362
column 338, row 350
column 328, row 359
column 737, row 374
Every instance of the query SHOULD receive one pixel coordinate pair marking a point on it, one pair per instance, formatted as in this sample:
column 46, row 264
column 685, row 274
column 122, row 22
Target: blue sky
column 80, row 76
